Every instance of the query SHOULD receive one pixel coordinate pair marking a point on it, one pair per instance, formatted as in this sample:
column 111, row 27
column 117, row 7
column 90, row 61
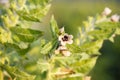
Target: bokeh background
column 70, row 14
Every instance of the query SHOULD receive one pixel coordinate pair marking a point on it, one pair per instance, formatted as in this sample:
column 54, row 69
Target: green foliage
column 26, row 56
column 16, row 73
column 54, row 27
column 24, row 34
column 48, row 47
column 16, row 38
column 35, row 11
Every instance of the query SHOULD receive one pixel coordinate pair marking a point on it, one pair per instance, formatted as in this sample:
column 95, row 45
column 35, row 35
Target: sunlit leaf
column 24, row 34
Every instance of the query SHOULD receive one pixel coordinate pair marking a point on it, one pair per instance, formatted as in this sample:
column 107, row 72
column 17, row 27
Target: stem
column 1, row 70
column 49, row 77
column 1, row 75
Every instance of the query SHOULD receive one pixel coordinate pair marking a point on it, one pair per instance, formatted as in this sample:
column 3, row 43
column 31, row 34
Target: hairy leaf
column 24, row 34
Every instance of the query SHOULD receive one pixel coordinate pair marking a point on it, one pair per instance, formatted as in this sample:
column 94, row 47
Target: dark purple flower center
column 65, row 38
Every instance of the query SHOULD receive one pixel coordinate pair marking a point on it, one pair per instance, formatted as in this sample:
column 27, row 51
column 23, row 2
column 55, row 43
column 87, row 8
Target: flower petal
column 66, row 53
column 106, row 11
column 70, row 41
column 63, row 43
column 71, row 36
column 60, row 38
column 62, row 48
column 115, row 18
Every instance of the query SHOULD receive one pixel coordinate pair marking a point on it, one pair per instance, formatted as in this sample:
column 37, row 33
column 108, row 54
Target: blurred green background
column 71, row 13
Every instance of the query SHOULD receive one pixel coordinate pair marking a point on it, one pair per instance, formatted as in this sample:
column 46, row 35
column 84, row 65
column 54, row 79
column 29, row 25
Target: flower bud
column 106, row 11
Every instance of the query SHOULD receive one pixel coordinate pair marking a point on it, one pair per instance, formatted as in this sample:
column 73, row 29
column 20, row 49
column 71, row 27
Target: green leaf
column 33, row 14
column 19, row 48
column 25, row 34
column 17, row 74
column 43, row 65
column 104, row 30
column 75, row 48
column 48, row 47
column 5, row 36
column 92, row 47
column 54, row 27
column 63, row 61
column 84, row 65
column 88, row 48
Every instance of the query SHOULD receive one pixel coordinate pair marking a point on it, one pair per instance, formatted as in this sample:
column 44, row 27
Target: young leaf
column 54, row 27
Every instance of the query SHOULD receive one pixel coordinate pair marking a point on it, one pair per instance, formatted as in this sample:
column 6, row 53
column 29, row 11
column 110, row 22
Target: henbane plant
column 26, row 56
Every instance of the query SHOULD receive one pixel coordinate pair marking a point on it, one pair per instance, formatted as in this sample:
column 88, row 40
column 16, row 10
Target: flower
column 63, row 50
column 65, row 39
column 66, row 53
column 62, row 30
column 106, row 11
column 115, row 18
column 60, row 49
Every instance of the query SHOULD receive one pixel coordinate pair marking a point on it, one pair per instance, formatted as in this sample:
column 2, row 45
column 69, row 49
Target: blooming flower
column 115, row 18
column 65, row 39
column 106, row 11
